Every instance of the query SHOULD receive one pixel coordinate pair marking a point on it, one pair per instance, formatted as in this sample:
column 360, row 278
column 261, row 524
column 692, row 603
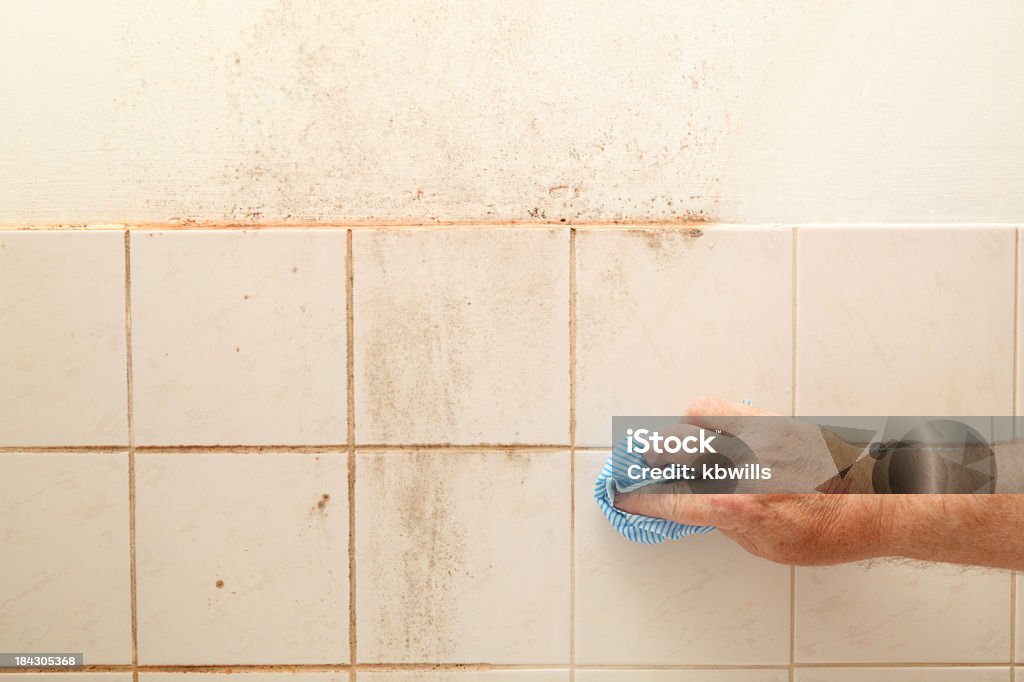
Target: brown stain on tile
column 321, row 505
column 623, row 263
column 219, row 584
column 422, row 345
column 426, row 563
column 668, row 244
column 668, row 238
column 387, row 370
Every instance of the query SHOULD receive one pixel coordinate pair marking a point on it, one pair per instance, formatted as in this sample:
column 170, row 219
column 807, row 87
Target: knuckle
column 673, row 507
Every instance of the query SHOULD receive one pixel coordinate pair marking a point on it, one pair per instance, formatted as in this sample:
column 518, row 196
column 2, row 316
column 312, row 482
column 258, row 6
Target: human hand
column 803, row 529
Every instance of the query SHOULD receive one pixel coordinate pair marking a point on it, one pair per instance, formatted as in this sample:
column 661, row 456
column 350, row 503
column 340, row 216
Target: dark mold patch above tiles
column 305, row 127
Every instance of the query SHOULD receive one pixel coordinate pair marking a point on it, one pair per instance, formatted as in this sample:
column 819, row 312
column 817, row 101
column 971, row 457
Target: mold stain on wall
column 463, row 113
column 425, row 557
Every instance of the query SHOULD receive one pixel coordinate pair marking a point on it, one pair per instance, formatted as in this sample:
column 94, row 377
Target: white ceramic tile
column 462, row 335
column 463, row 557
column 700, row 600
column 904, row 321
column 902, row 675
column 666, row 315
column 65, row 581
column 762, row 675
column 63, row 361
column 887, row 612
column 469, row 676
column 242, row 558
column 236, row 676
column 239, row 337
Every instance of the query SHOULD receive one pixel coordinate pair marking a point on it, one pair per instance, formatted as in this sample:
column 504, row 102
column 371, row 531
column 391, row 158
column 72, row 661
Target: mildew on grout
column 133, row 572
column 572, row 455
column 351, row 437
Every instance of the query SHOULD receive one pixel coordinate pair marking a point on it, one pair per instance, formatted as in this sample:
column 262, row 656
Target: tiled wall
column 299, row 455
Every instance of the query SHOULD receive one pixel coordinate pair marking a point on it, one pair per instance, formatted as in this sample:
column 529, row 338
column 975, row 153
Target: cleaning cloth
column 614, row 479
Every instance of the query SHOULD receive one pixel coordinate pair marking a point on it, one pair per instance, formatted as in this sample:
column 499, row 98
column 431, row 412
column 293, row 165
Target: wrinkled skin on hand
column 804, row 530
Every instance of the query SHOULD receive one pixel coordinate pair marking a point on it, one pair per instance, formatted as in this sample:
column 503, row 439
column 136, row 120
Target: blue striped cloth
column 613, row 479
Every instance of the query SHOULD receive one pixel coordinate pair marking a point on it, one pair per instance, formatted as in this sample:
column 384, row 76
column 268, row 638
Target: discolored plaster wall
column 305, row 110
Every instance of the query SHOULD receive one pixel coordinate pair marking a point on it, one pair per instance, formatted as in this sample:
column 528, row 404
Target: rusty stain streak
column 690, row 218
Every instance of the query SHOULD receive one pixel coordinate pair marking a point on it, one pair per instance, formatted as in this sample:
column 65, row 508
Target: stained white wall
column 273, row 110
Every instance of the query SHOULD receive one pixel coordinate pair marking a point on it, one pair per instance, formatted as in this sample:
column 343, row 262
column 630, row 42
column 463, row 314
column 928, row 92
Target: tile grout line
column 351, row 437
column 792, row 388
column 229, row 668
column 572, row 454
column 904, row 665
column 130, row 390
column 187, row 225
column 416, row 224
column 297, row 449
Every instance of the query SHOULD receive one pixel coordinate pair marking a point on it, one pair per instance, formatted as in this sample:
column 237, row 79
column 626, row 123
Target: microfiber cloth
column 614, row 479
